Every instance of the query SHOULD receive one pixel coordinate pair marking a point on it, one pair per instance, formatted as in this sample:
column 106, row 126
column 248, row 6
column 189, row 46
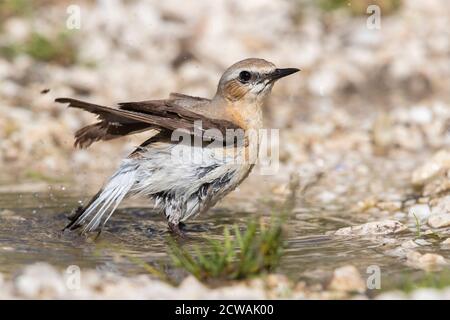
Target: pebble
column 441, row 205
column 412, row 244
column 10, row 215
column 419, row 211
column 439, row 220
column 40, row 281
column 390, row 206
column 422, row 242
column 392, row 295
column 430, row 169
column 43, row 281
column 347, row 278
column 427, row 261
column 373, row 228
column 418, row 294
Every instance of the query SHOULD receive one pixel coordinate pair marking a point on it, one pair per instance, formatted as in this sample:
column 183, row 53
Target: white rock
column 239, row 292
column 442, row 206
column 422, row 242
column 392, row 295
column 347, row 278
column 192, row 288
column 17, row 29
column 427, row 261
column 419, row 211
column 410, row 244
column 40, row 281
column 373, row 228
column 426, row 294
column 326, row 196
column 439, row 220
column 400, row 252
column 420, row 115
column 430, row 169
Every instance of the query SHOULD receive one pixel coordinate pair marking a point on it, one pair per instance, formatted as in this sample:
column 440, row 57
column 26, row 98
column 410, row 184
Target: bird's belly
column 184, row 171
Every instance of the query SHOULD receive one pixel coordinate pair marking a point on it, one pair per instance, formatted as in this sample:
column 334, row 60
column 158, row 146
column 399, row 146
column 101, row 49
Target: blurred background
column 368, row 89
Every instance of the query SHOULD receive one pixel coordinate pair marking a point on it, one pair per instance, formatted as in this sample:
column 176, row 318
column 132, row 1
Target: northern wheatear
column 181, row 189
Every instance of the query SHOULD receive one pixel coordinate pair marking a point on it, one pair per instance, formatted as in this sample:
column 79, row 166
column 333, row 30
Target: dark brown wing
column 133, row 117
column 188, row 101
column 105, row 130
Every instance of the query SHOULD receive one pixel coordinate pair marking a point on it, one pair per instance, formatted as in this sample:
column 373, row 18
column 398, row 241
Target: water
column 34, row 234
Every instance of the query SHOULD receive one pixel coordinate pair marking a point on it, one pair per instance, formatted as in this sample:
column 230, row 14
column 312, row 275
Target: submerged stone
column 373, row 228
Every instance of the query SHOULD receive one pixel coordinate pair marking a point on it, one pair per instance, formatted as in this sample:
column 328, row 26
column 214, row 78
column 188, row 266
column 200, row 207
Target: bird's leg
column 176, row 230
column 98, row 233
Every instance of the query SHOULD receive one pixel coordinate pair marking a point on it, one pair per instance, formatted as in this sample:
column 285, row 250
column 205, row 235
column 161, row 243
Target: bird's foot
column 177, row 230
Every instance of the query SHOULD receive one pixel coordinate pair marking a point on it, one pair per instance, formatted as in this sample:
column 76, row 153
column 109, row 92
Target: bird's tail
column 104, row 203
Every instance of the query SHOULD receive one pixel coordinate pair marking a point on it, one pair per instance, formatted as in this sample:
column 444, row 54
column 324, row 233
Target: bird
column 212, row 163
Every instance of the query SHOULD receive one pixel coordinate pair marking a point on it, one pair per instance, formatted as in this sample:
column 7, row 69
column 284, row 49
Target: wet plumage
column 183, row 178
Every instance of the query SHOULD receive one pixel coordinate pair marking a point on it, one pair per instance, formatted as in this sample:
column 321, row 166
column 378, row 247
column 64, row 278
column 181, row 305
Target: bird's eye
column 245, row 76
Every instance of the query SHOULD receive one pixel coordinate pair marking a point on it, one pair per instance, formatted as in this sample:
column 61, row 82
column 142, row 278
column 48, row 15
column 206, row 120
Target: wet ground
column 33, row 233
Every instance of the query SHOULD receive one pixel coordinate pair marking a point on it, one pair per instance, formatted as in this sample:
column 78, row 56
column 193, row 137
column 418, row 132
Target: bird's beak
column 281, row 73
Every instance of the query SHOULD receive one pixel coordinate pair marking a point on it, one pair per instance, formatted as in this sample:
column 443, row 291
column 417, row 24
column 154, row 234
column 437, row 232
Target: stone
column 426, row 294
column 399, row 252
column 422, row 242
column 439, row 185
column 410, row 244
column 10, row 215
column 420, row 115
column 441, row 205
column 373, row 228
column 40, row 281
column 390, row 206
column 439, row 220
column 427, row 261
column 419, row 211
column 392, row 295
column 430, row 169
column 348, row 279
column 5, row 213
column 278, row 285
column 192, row 288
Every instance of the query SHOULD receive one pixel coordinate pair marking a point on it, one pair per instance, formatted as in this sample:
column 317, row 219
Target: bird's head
column 250, row 80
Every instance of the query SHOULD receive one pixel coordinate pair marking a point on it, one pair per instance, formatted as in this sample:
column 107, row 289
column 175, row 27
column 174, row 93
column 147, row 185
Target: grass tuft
column 15, row 8
column 58, row 50
column 359, row 7
column 240, row 255
column 435, row 280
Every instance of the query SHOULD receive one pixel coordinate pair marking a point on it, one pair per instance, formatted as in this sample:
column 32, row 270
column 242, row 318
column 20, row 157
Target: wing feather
column 133, row 117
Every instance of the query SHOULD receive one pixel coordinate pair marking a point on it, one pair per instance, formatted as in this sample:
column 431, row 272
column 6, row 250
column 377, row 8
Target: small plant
column 15, row 8
column 247, row 253
column 58, row 49
column 438, row 280
column 418, row 226
column 359, row 7
column 430, row 234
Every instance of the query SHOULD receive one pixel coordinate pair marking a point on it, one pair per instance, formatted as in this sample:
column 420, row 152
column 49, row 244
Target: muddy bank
column 42, row 281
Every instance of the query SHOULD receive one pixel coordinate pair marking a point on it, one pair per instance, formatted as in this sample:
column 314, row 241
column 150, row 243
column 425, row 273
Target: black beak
column 281, row 73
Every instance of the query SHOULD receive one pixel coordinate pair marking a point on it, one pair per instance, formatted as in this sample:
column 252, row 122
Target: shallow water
column 34, row 234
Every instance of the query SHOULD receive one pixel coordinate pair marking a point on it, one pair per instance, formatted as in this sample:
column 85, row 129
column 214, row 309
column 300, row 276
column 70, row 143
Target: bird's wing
column 187, row 101
column 133, row 117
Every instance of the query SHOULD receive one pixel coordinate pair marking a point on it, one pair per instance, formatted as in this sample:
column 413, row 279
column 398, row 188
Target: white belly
column 187, row 180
